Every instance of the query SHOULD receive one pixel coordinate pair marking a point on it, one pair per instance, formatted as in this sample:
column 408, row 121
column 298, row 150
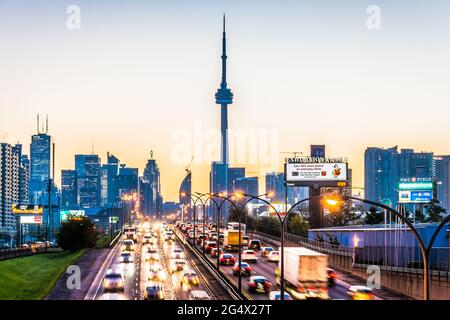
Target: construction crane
column 187, row 168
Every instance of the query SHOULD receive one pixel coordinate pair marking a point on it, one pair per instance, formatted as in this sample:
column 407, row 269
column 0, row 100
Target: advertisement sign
column 411, row 196
column 415, row 186
column 31, row 219
column 27, row 209
column 323, row 174
column 113, row 219
column 66, row 215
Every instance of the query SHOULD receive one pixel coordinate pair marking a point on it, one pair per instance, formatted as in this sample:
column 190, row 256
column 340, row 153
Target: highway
column 267, row 269
column 136, row 273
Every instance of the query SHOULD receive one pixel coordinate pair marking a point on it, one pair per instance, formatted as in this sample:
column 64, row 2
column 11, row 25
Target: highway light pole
column 194, row 198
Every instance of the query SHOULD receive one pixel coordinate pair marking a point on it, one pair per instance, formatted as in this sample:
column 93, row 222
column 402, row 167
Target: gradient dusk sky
column 139, row 72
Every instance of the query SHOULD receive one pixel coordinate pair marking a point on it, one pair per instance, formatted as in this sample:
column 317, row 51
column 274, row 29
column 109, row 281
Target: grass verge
column 33, row 277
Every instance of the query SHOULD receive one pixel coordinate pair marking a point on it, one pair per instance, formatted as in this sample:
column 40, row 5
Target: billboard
column 66, row 215
column 31, row 219
column 316, row 173
column 27, row 209
column 113, row 219
column 411, row 196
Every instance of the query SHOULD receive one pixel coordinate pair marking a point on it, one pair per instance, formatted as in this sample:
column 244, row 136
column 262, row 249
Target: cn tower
column 224, row 97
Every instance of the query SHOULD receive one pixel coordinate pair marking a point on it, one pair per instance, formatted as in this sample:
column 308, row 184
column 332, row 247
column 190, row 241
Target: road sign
column 113, row 219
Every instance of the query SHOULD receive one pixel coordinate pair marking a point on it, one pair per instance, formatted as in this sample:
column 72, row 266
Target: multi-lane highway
column 136, row 273
column 266, row 268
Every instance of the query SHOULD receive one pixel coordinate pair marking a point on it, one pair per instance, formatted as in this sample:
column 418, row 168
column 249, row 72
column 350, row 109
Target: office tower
column 89, row 176
column 248, row 185
column 110, row 170
column 150, row 189
column 442, row 177
column 381, row 175
column 24, row 176
column 9, row 187
column 184, row 198
column 127, row 180
column 223, row 97
column 233, row 174
column 39, row 166
column 384, row 168
column 275, row 184
column 69, row 188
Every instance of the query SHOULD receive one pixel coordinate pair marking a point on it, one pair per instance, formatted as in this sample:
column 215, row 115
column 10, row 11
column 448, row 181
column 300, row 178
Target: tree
column 77, row 234
column 373, row 217
column 297, row 225
column 419, row 216
column 342, row 214
column 434, row 211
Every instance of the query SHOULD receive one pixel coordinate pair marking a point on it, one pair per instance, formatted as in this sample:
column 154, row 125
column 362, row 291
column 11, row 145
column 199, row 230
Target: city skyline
column 386, row 70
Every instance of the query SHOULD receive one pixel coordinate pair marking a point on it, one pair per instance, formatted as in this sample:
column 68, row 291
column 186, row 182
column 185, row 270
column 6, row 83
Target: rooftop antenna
column 151, row 154
column 37, row 123
column 92, row 147
column 46, row 123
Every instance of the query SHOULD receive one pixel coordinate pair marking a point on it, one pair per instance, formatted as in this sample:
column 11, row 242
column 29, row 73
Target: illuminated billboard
column 415, row 192
column 317, row 173
column 27, row 209
column 31, row 219
column 66, row 215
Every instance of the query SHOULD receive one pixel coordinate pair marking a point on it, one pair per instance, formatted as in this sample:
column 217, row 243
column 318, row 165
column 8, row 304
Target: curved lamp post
column 341, row 198
column 194, row 198
column 240, row 210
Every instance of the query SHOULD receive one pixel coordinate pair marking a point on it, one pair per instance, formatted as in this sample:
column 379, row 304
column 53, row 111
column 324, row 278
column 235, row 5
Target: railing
column 312, row 244
column 23, row 252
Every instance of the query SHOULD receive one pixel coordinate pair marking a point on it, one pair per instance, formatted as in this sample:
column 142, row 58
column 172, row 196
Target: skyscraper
column 185, row 201
column 89, row 175
column 39, row 166
column 275, row 184
column 69, row 188
column 233, row 174
column 248, row 185
column 442, row 178
column 9, row 186
column 110, row 192
column 150, row 189
column 224, row 97
column 384, row 168
column 24, row 176
column 127, row 180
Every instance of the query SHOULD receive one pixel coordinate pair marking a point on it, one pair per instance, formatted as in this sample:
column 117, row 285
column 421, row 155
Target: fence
column 23, row 252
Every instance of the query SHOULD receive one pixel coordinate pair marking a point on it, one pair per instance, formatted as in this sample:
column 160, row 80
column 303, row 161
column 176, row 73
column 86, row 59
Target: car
column 212, row 236
column 209, row 245
column 245, row 269
column 199, row 295
column 254, row 244
column 177, row 253
column 249, row 255
column 177, row 265
column 147, row 237
column 126, row 257
column 227, row 259
column 265, row 251
column 221, row 237
column 113, row 281
column 128, row 245
column 152, row 258
column 24, row 246
column 332, row 276
column 245, row 240
column 258, row 284
column 276, row 295
column 156, row 273
column 360, row 293
column 214, row 252
column 190, row 278
column 200, row 238
column 273, row 256
column 152, row 249
column 154, row 291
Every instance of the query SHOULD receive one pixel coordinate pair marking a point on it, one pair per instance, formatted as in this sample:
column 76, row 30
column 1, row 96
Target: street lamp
column 194, row 198
column 240, row 195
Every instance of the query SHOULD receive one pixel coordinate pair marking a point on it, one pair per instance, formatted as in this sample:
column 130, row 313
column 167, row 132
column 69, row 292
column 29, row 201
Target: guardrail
column 222, row 278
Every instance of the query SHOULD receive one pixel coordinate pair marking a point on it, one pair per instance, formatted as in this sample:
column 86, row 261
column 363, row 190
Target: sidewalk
column 89, row 264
